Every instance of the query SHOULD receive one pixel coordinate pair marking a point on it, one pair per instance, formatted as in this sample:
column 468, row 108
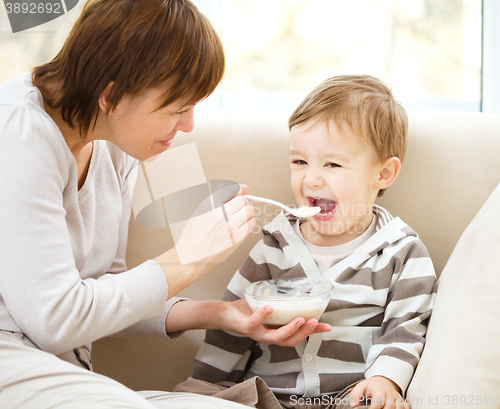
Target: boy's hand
column 240, row 318
column 383, row 394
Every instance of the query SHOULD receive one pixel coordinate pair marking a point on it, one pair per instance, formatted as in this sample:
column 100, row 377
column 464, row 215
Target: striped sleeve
column 396, row 353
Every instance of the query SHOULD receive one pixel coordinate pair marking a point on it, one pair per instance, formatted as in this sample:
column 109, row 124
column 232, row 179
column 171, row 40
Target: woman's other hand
column 236, row 316
column 218, row 225
column 216, row 229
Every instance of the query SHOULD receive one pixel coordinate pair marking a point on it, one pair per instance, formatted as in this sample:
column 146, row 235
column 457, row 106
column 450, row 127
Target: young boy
column 348, row 138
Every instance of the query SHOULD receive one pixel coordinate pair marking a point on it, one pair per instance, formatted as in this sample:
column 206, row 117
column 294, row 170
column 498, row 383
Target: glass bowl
column 290, row 298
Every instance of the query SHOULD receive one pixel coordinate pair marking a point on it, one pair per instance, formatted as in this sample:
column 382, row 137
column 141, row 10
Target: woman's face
column 142, row 130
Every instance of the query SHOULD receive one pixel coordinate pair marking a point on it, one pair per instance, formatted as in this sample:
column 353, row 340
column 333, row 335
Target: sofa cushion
column 460, row 365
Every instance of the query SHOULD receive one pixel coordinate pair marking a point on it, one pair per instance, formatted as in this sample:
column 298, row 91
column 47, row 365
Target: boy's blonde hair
column 363, row 104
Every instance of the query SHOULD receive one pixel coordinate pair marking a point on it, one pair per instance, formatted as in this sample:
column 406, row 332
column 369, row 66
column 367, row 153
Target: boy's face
column 338, row 172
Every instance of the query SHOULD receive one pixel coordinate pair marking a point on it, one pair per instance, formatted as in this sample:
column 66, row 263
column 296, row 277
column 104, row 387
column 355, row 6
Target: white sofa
column 451, row 167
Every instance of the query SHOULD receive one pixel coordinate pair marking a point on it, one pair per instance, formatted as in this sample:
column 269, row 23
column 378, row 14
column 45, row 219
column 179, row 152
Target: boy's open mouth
column 327, row 206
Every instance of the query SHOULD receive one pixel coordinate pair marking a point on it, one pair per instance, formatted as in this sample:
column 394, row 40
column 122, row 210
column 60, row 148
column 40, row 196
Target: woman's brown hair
column 135, row 45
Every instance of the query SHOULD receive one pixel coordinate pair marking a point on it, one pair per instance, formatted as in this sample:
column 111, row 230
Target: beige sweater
column 63, row 278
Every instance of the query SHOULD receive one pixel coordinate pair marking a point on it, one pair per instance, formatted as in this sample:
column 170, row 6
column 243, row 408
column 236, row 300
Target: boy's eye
column 332, row 165
column 299, row 162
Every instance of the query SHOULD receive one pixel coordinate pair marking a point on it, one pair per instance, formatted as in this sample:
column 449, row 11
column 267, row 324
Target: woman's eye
column 182, row 112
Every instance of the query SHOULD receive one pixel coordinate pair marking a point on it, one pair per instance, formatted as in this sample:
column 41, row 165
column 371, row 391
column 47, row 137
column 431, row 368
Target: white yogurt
column 290, row 299
column 306, row 211
column 285, row 311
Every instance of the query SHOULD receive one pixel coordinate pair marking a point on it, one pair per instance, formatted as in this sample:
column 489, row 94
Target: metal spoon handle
column 273, row 202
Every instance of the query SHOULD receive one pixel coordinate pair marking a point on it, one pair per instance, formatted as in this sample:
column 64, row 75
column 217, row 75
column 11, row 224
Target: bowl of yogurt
column 290, row 298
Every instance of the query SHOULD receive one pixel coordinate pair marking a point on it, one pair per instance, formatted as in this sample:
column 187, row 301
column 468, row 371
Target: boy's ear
column 389, row 172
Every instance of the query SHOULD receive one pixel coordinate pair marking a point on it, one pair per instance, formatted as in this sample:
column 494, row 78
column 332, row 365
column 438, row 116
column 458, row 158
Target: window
column 428, row 51
column 491, row 57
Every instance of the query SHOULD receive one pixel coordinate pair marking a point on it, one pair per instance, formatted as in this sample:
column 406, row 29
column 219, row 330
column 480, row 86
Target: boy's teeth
column 326, row 205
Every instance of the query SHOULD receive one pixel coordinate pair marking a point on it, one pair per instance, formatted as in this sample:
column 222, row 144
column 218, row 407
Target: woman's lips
column 166, row 143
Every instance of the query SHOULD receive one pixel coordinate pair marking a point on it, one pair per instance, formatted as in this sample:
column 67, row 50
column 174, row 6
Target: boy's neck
column 317, row 238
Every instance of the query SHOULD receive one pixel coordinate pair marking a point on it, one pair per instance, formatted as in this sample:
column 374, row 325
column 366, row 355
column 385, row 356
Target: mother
column 126, row 80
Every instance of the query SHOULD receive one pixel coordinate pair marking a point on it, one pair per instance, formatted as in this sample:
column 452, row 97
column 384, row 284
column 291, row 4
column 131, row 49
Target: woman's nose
column 186, row 122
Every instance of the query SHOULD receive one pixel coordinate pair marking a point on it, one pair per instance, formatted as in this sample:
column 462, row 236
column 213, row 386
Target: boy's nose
column 313, row 178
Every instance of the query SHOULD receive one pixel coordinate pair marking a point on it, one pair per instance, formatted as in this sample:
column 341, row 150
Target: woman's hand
column 237, row 317
column 218, row 225
column 216, row 229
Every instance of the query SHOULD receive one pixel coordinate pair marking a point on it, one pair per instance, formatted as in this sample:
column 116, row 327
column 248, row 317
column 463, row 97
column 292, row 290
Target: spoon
column 303, row 211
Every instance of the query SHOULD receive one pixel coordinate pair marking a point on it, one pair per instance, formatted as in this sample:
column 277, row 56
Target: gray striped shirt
column 381, row 302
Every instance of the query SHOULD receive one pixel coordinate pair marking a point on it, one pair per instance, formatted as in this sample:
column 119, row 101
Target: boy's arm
column 381, row 391
column 396, row 353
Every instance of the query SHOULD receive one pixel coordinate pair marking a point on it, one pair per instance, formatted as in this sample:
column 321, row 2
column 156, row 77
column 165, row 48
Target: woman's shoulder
column 28, row 136
column 19, row 96
column 16, row 90
column 22, row 112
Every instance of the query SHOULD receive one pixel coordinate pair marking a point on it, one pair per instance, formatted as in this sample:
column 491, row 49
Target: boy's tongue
column 326, row 205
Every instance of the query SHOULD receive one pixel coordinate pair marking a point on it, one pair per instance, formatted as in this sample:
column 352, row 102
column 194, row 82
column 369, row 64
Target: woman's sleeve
column 154, row 327
column 39, row 281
